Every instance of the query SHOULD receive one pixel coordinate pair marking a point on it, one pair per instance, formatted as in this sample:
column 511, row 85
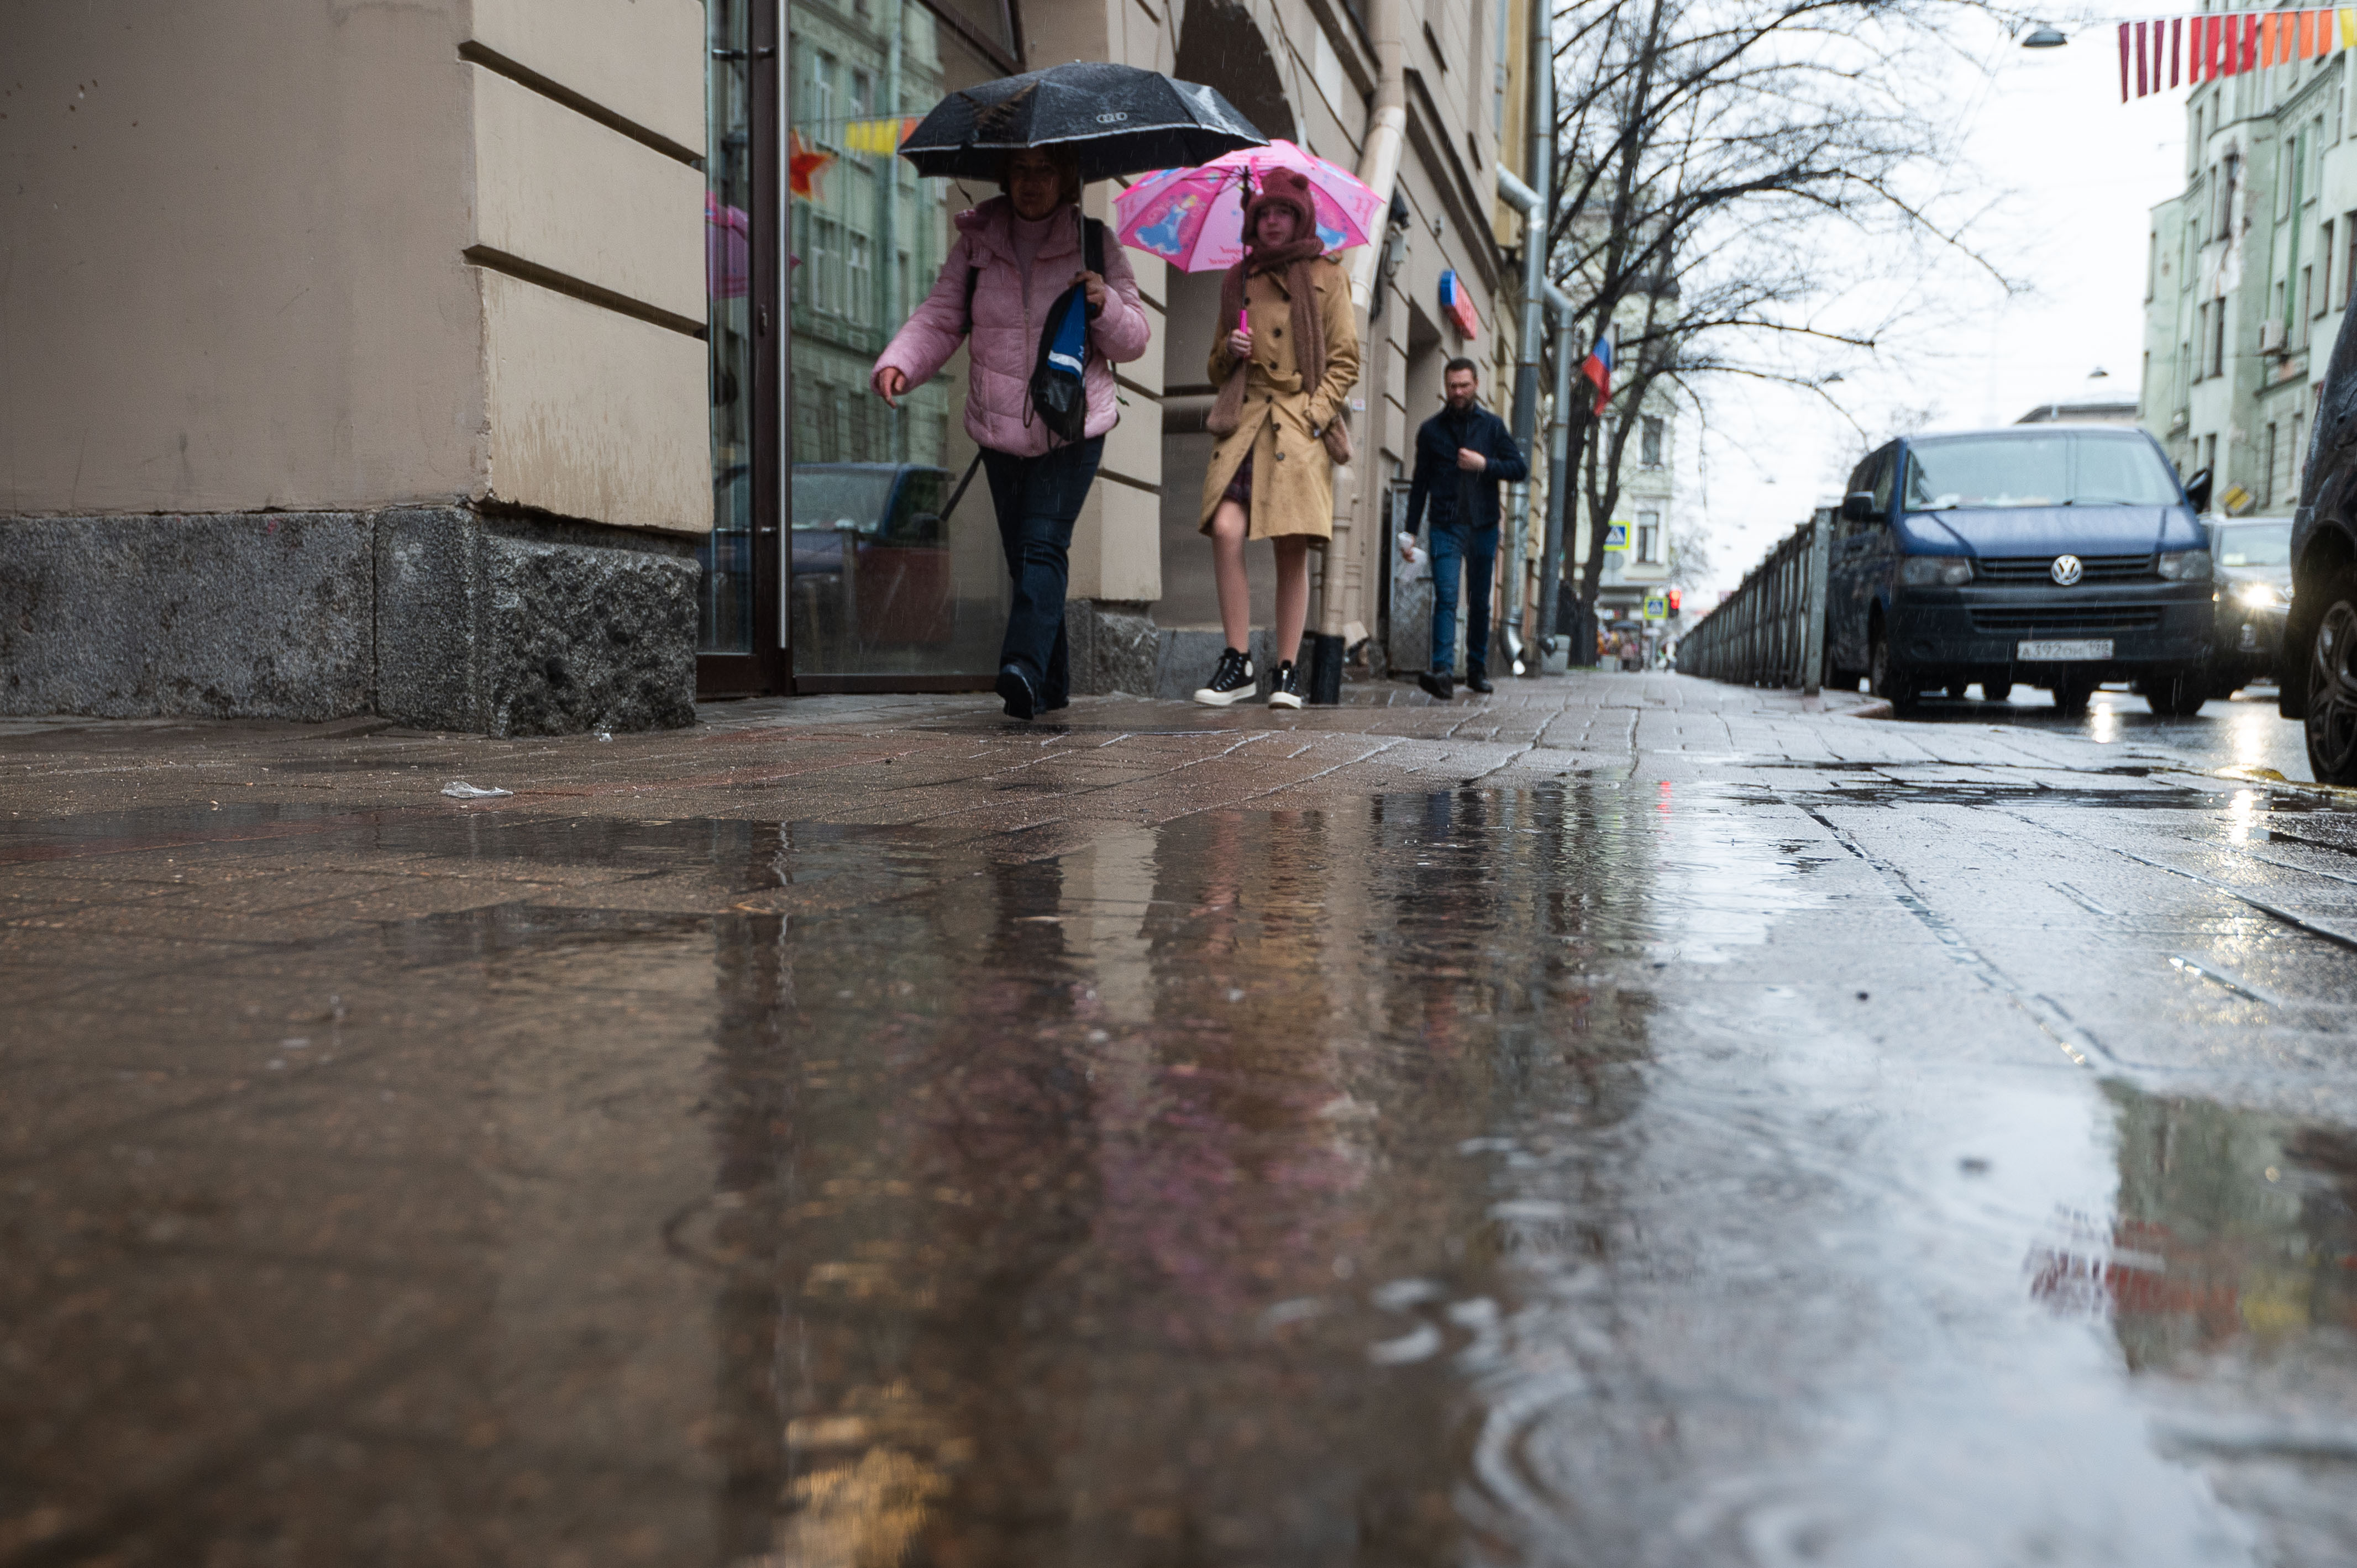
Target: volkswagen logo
column 1111, row 118
column 2066, row 570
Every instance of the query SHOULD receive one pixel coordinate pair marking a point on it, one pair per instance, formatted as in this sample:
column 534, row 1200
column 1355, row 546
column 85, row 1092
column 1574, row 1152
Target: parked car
column 2053, row 555
column 2253, row 565
column 2318, row 665
column 870, row 554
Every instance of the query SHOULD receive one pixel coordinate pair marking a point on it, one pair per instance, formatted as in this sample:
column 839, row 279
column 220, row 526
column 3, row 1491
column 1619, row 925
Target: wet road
column 1635, row 1122
column 2243, row 730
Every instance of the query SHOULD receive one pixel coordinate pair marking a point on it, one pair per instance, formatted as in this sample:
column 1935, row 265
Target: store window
column 885, row 585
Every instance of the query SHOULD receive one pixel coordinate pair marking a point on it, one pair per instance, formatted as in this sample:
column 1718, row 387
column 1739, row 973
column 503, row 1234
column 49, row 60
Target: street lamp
column 2045, row 35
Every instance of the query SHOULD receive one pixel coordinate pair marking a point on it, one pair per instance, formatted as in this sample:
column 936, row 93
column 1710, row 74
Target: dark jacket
column 1453, row 493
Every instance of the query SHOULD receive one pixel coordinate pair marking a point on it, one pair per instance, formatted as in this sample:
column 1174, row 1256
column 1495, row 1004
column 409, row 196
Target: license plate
column 2086, row 649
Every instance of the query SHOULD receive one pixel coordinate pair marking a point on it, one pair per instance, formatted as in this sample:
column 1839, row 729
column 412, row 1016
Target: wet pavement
column 1631, row 1120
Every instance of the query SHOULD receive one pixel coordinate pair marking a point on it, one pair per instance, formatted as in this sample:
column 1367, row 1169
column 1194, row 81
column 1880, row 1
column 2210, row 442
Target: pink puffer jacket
column 1006, row 340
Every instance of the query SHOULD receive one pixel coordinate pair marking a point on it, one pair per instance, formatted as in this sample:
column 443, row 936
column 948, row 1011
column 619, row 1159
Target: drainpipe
column 1342, row 598
column 1559, row 479
column 1536, row 201
column 1530, row 342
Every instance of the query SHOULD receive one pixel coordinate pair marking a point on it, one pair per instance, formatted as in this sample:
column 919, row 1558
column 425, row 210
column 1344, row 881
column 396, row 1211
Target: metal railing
column 1771, row 630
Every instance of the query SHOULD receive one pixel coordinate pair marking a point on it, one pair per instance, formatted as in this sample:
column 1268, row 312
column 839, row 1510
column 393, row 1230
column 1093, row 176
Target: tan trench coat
column 1293, row 479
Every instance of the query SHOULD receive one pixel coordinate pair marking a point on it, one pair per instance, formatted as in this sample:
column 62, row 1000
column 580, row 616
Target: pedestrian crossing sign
column 1657, row 607
column 1616, row 536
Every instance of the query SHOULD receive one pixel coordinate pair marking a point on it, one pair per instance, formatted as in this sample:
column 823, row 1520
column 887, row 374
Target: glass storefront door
column 836, row 561
column 737, row 635
column 885, row 585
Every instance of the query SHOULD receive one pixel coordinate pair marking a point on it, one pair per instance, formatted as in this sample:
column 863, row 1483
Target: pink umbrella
column 1194, row 218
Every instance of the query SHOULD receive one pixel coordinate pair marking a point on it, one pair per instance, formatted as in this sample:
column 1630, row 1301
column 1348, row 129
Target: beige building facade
column 500, row 364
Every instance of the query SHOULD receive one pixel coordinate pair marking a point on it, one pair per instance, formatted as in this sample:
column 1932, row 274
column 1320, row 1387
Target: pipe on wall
column 1342, row 589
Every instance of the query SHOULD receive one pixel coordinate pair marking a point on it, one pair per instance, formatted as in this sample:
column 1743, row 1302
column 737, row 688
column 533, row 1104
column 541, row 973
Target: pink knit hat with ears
column 1283, row 187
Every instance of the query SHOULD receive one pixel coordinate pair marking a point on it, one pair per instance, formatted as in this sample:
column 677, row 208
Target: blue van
column 2053, row 555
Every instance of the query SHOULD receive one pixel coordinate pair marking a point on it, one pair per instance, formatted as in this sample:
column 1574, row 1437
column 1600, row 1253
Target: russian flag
column 1598, row 368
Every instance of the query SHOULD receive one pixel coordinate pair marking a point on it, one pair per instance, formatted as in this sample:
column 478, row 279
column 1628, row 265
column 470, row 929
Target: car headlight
column 2186, row 565
column 1925, row 571
column 2258, row 595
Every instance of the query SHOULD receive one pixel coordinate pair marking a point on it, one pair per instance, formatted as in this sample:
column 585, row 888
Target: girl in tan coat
column 1280, row 417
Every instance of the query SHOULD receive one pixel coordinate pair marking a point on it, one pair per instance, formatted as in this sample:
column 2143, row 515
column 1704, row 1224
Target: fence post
column 1813, row 659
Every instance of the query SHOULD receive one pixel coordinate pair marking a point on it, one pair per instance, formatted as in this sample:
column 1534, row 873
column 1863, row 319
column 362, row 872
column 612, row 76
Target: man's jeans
column 1037, row 499
column 1478, row 552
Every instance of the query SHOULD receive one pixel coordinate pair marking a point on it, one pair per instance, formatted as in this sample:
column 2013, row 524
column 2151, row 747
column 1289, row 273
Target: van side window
column 1886, row 473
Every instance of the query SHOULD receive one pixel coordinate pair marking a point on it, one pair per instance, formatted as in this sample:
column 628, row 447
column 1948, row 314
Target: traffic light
column 1673, row 601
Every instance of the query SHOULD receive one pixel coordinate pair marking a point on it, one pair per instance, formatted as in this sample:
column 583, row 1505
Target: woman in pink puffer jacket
column 1025, row 249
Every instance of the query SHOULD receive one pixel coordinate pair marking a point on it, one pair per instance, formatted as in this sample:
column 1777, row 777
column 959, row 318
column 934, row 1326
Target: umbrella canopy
column 1194, row 218
column 1118, row 118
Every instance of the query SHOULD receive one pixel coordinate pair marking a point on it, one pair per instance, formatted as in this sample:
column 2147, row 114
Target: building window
column 1649, row 536
column 2292, row 460
column 862, row 304
column 824, row 128
column 2307, row 300
column 2324, row 258
column 2349, row 254
column 1649, row 444
column 2267, row 482
column 2151, row 265
column 2227, row 170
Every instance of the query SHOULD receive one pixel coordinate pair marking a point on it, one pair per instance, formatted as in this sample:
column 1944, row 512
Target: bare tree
column 1729, row 168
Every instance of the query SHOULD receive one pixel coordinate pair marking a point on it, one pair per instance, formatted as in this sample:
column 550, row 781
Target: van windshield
column 2054, row 467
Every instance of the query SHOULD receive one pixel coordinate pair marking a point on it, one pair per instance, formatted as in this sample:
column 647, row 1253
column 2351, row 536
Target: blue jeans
column 1478, row 551
column 1037, row 499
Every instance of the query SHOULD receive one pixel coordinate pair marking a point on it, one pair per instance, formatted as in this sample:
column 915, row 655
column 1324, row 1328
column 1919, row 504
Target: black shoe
column 1284, row 687
column 1233, row 681
column 1478, row 680
column 1441, row 687
column 1016, row 687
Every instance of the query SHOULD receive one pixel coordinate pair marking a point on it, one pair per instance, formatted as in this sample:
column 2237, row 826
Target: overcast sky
column 2074, row 175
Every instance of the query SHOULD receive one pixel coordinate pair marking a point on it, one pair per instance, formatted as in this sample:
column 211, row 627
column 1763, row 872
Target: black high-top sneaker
column 1437, row 683
column 1233, row 681
column 1476, row 679
column 1285, row 686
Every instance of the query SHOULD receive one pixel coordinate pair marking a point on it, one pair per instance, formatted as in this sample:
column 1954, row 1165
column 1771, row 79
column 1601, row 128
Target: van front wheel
column 2178, row 696
column 1888, row 678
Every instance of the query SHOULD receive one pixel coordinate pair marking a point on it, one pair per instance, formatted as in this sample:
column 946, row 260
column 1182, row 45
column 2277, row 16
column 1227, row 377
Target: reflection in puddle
column 2234, row 1231
column 1120, row 1216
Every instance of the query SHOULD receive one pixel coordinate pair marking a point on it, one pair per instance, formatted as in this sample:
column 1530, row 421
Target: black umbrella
column 1118, row 118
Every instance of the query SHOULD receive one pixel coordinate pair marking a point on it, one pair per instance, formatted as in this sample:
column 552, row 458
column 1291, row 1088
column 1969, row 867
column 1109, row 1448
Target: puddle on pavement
column 1436, row 1180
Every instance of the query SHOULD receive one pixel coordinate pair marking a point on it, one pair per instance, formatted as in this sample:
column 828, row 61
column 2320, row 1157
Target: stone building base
column 446, row 618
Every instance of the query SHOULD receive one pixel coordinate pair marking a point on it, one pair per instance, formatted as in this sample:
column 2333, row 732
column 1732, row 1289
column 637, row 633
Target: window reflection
column 725, row 615
column 883, row 579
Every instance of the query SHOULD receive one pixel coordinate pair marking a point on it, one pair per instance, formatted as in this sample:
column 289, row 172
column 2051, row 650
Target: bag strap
column 959, row 494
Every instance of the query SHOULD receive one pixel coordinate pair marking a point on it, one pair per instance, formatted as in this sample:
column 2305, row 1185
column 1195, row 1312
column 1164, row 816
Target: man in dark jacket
column 1462, row 453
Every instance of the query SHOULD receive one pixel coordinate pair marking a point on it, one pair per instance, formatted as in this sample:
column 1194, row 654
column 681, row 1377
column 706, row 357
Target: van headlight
column 2258, row 595
column 1930, row 571
column 2186, row 565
